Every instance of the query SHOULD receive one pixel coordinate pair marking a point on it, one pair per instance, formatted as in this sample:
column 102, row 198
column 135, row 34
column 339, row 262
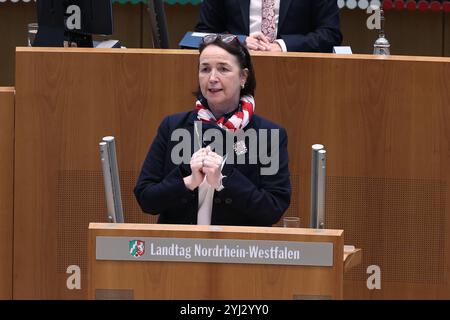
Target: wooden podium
column 119, row 270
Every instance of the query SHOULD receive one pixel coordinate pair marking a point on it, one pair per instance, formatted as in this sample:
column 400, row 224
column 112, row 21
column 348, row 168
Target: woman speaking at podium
column 219, row 163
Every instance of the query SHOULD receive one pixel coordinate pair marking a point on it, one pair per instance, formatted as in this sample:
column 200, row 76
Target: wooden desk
column 383, row 120
column 6, row 190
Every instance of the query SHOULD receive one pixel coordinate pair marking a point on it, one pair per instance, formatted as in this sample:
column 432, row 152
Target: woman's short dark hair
column 237, row 49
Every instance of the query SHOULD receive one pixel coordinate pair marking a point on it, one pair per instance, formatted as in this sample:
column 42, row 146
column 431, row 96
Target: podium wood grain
column 203, row 281
column 6, row 190
column 384, row 122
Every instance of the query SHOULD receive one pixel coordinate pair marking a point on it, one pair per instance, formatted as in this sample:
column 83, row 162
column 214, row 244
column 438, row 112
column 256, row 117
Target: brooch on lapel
column 240, row 148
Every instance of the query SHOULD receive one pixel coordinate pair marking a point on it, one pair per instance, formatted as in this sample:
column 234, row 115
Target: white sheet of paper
column 342, row 50
column 200, row 34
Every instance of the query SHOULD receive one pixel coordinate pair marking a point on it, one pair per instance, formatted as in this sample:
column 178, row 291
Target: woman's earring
column 242, row 86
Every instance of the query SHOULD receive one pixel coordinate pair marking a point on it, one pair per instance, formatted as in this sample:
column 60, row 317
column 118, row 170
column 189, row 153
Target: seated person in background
column 275, row 25
column 197, row 172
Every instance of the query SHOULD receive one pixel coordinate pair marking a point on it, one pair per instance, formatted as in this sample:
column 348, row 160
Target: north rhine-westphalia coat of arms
column 137, row 248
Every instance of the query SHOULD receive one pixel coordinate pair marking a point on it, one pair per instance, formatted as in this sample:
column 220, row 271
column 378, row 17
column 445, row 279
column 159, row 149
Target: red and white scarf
column 237, row 121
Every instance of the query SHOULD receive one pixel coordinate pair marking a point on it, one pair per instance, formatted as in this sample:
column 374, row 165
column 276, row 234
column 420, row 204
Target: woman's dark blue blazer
column 249, row 197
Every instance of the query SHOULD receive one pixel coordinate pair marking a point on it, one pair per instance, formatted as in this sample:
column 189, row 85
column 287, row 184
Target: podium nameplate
column 214, row 251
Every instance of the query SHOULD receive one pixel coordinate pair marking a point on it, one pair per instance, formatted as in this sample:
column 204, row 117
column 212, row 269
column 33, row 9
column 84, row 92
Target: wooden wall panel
column 6, row 190
column 412, row 33
column 127, row 25
column 446, row 35
column 382, row 120
column 415, row 33
column 180, row 19
column 14, row 17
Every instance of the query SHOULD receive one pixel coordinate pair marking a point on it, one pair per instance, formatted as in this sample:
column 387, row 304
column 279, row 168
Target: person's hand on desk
column 274, row 47
column 258, row 42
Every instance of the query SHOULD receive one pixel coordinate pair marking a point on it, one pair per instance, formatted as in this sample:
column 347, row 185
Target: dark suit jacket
column 248, row 199
column 304, row 25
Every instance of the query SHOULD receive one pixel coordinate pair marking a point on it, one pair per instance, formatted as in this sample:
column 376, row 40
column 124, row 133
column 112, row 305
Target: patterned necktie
column 268, row 19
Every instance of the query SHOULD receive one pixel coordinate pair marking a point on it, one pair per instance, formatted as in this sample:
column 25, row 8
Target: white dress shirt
column 256, row 18
column 205, row 198
column 205, row 203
